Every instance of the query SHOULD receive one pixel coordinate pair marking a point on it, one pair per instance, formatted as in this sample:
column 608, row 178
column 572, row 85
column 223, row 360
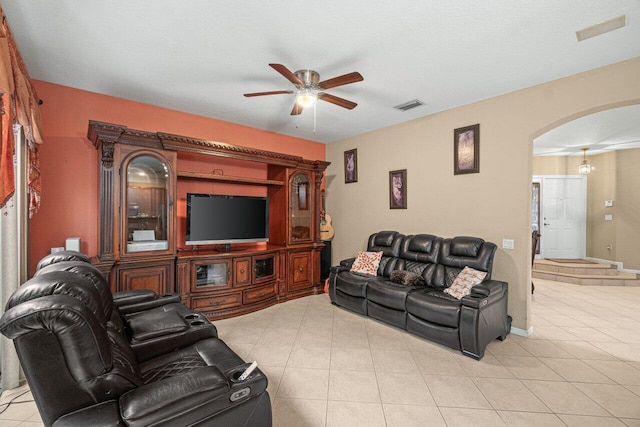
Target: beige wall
column 493, row 204
column 601, row 186
column 615, row 177
column 627, row 208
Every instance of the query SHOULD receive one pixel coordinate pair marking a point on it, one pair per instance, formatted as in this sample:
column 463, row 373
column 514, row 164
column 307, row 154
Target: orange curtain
column 19, row 106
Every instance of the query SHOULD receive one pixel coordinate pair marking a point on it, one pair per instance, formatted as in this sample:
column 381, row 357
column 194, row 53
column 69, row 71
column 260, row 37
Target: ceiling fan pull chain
column 314, row 116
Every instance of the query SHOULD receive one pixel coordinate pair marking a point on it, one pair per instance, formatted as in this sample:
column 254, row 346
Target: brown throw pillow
column 406, row 278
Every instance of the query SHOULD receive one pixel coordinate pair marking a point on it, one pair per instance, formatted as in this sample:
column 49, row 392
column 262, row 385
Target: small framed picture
column 398, row 189
column 466, row 150
column 351, row 166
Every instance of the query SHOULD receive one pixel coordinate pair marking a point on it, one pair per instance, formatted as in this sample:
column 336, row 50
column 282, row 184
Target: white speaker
column 73, row 244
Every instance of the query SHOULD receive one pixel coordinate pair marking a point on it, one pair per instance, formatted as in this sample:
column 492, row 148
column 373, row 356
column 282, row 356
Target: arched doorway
column 611, row 205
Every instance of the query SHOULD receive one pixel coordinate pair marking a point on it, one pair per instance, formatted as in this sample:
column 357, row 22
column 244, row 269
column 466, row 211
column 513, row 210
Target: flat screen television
column 218, row 219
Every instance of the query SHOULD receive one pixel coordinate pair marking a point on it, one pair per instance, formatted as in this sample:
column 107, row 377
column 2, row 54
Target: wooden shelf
column 227, row 178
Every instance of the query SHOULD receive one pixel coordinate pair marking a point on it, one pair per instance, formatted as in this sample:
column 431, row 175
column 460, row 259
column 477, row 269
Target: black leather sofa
column 468, row 324
column 87, row 364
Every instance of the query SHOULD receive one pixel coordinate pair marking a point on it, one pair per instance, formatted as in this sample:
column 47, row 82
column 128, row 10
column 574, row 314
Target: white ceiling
column 610, row 130
column 200, row 56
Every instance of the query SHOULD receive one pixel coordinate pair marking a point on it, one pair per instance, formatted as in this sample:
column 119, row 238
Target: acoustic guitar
column 326, row 230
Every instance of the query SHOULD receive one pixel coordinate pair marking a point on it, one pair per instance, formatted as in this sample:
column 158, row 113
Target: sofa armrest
column 347, row 262
column 338, row 269
column 486, row 293
column 173, row 397
column 483, row 317
column 104, row 414
column 137, row 300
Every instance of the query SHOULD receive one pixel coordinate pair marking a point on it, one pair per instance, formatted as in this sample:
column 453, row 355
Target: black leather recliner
column 151, row 331
column 127, row 301
column 83, row 371
column 466, row 324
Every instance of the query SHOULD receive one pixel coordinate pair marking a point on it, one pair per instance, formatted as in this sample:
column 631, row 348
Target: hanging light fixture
column 585, row 167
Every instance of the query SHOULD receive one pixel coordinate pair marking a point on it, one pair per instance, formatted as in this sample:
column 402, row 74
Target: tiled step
column 583, row 274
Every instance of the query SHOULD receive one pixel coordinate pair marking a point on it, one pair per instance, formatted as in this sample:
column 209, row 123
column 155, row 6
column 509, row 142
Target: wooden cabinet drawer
column 216, row 301
column 259, row 294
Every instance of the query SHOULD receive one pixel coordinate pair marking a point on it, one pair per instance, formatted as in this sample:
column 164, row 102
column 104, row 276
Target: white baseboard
column 616, row 263
column 522, row 332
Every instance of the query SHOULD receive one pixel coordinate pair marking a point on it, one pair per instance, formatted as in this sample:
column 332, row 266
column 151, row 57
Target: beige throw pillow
column 367, row 263
column 463, row 283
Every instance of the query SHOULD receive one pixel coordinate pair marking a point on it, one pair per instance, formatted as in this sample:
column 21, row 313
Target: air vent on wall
column 409, row 105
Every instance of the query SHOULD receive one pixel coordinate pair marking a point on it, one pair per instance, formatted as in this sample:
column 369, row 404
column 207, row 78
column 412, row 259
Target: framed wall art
column 351, row 166
column 398, row 189
column 466, row 150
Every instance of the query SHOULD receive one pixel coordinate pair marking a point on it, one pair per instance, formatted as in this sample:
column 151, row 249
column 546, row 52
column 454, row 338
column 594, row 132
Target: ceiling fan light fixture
column 306, row 98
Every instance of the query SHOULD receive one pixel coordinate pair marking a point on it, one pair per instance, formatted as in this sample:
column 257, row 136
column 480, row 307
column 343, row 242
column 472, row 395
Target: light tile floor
column 329, row 367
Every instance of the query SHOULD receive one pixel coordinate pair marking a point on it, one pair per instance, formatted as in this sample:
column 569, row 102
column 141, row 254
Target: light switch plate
column 507, row 244
column 608, row 203
column 608, row 217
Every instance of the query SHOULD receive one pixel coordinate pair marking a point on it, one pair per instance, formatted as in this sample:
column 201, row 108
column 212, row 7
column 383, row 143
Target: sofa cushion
column 467, row 279
column 450, row 275
column 466, row 246
column 423, row 248
column 388, row 294
column 406, row 278
column 473, row 252
column 354, row 284
column 434, row 306
column 367, row 263
column 385, row 241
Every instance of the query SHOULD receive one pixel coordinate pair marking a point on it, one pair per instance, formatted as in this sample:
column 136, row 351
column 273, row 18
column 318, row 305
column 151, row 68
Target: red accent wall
column 69, row 162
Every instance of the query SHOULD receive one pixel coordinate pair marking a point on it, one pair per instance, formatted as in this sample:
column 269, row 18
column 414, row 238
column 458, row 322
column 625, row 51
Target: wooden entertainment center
column 143, row 185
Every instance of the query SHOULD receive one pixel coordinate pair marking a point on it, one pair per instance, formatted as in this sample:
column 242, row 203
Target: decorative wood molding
column 228, row 178
column 106, row 146
column 102, row 134
column 221, row 149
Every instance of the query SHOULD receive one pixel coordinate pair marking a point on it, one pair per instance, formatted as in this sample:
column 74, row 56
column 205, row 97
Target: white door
column 563, row 210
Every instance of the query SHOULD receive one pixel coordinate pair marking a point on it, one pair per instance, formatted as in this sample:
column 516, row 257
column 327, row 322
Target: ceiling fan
column 309, row 88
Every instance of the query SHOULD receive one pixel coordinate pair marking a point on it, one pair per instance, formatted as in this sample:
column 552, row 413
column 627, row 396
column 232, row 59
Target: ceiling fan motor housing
column 308, row 77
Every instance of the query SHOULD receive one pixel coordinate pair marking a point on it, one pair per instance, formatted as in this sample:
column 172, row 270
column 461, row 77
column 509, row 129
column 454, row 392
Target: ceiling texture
column 201, row 56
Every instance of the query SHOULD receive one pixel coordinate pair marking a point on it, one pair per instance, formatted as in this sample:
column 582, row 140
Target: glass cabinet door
column 300, row 203
column 146, row 204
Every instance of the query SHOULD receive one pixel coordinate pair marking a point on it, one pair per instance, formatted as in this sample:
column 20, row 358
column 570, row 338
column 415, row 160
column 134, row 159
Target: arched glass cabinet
column 300, row 208
column 144, row 218
column 146, row 199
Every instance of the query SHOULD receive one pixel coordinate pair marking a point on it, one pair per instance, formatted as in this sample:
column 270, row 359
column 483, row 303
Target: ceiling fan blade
column 274, row 92
column 287, row 74
column 297, row 109
column 337, row 100
column 341, row 80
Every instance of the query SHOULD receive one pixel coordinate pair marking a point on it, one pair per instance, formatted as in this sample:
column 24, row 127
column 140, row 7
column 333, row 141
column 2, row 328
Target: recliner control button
column 243, row 392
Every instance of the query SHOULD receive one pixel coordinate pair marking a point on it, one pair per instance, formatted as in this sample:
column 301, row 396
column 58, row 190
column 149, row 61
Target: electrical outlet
column 608, row 203
column 507, row 244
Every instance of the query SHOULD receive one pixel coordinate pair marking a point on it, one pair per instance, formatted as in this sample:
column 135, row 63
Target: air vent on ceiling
column 602, row 27
column 409, row 105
